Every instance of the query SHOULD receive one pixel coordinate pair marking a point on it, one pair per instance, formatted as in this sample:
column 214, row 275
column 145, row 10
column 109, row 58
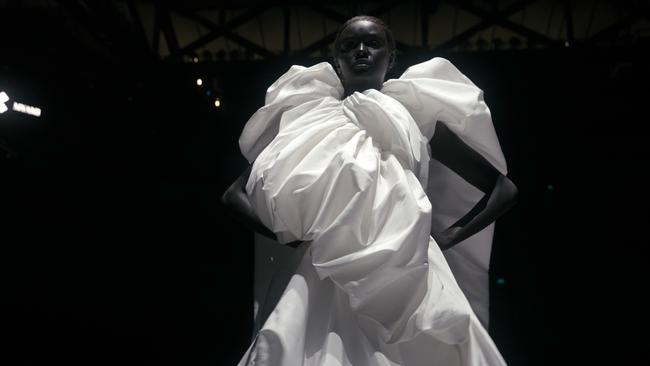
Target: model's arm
column 236, row 202
column 500, row 192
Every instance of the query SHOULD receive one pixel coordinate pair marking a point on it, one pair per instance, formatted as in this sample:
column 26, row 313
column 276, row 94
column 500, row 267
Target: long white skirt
column 312, row 323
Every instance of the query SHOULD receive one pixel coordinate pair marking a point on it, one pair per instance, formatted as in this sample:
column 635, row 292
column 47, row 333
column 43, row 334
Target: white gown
column 349, row 177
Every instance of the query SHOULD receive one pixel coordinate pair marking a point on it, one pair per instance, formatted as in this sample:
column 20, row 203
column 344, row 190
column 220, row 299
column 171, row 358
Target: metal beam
column 286, row 11
column 328, row 13
column 424, row 22
column 315, row 46
column 527, row 32
column 225, row 30
column 613, row 29
column 155, row 41
column 249, row 45
column 386, row 6
column 341, row 18
column 485, row 23
column 137, row 20
column 162, row 14
column 501, row 19
column 568, row 18
column 636, row 12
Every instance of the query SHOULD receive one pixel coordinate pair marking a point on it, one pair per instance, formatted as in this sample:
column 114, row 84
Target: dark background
column 114, row 248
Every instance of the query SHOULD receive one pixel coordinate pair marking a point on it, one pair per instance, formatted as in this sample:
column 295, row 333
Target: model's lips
column 361, row 64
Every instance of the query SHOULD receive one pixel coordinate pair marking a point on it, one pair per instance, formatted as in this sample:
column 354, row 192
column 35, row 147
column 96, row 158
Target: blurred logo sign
column 4, row 98
column 17, row 106
column 27, row 109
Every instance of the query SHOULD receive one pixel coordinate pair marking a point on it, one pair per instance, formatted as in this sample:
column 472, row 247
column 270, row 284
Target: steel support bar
column 162, row 14
column 328, row 13
column 315, row 46
column 502, row 20
column 137, row 20
column 612, row 30
column 341, row 18
column 485, row 23
column 568, row 19
column 155, row 41
column 424, row 23
column 286, row 11
column 225, row 30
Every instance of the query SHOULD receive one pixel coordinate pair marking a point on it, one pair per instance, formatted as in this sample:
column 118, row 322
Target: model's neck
column 360, row 87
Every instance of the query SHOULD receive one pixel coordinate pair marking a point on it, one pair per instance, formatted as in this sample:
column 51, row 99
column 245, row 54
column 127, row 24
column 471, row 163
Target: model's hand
column 447, row 238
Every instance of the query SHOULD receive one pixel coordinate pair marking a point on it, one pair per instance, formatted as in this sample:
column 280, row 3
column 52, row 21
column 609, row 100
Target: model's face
column 363, row 56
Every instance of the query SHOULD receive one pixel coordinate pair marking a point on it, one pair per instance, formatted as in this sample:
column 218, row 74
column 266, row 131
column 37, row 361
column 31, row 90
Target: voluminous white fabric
column 348, row 176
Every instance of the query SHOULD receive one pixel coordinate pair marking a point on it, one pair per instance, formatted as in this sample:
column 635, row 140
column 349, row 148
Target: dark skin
column 362, row 58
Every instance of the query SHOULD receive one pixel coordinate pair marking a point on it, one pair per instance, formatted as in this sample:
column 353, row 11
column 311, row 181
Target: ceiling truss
column 157, row 21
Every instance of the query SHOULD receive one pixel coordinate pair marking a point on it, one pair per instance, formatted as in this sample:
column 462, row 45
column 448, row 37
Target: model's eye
column 348, row 45
column 374, row 43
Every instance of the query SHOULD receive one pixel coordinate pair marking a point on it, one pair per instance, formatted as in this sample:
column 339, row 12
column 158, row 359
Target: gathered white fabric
column 349, row 177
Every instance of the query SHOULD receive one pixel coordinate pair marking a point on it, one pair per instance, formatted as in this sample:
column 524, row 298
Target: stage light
column 199, row 82
column 27, row 109
column 195, row 59
column 17, row 106
column 217, row 103
column 4, row 98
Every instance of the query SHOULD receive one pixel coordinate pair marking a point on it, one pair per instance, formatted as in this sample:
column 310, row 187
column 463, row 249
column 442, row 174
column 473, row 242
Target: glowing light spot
column 3, row 99
column 195, row 59
column 199, row 82
column 217, row 103
column 27, row 109
column 501, row 281
column 18, row 107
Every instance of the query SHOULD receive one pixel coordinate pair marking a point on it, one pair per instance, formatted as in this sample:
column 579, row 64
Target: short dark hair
column 389, row 34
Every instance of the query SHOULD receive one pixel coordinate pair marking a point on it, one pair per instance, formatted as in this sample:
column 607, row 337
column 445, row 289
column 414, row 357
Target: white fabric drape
column 348, row 176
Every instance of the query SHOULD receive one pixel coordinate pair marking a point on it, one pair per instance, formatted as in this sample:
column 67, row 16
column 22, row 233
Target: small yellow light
column 195, row 59
column 217, row 103
column 199, row 82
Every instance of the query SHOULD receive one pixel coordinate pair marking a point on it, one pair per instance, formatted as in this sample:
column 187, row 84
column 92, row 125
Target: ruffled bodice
column 431, row 91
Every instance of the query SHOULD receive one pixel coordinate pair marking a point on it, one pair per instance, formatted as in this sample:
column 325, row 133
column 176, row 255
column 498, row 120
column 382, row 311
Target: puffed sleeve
column 436, row 91
column 297, row 86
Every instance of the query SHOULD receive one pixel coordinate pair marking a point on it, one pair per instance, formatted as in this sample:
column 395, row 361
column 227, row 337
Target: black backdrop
column 115, row 249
